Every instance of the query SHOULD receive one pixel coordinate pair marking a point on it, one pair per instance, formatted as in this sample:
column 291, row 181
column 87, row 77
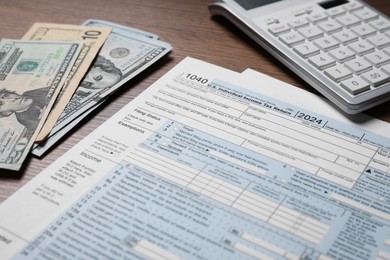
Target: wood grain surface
column 187, row 25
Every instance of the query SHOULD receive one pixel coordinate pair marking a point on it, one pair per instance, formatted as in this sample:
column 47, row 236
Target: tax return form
column 208, row 163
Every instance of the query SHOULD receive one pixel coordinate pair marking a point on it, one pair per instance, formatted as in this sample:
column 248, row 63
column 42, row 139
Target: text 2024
column 309, row 118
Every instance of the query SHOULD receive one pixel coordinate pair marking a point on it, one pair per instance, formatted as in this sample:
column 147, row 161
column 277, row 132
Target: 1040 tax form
column 208, row 163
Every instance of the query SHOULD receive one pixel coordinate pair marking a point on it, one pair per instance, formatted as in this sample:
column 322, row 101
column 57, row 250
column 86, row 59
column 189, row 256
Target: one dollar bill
column 31, row 75
column 93, row 39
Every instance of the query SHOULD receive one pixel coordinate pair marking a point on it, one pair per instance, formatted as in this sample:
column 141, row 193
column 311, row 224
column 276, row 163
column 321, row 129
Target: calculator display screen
column 332, row 3
column 250, row 4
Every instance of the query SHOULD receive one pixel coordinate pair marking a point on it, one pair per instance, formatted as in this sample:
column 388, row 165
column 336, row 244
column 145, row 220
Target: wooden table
column 185, row 24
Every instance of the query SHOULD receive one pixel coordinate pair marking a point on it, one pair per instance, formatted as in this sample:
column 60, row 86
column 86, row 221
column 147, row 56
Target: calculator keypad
column 350, row 44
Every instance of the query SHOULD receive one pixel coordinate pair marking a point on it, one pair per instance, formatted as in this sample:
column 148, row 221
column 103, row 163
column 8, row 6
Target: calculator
column 339, row 47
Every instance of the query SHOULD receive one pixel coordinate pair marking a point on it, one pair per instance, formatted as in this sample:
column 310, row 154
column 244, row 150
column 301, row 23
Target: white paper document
column 208, row 163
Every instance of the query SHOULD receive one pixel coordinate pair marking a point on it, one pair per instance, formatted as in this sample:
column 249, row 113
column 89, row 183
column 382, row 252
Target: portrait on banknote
column 102, row 74
column 24, row 111
column 32, row 74
column 27, row 107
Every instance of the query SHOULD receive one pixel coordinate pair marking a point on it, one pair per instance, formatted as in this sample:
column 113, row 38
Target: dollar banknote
column 93, row 39
column 125, row 54
column 122, row 29
column 31, row 75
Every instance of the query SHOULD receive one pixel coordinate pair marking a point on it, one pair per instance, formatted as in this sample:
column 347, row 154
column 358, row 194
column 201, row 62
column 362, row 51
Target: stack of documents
column 57, row 74
column 208, row 163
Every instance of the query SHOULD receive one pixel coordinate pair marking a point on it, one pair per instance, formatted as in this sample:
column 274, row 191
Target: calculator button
column 355, row 85
column 381, row 24
column 338, row 73
column 353, row 6
column 311, row 32
column 302, row 11
column 330, row 26
column 335, row 11
column 375, row 77
column 387, row 50
column 379, row 40
column 322, row 61
column 386, row 68
column 361, row 47
column 316, row 17
column 366, row 14
column 300, row 22
column 292, row 38
column 306, row 49
column 278, row 29
column 363, row 30
column 348, row 20
column 359, row 65
column 345, row 36
column 377, row 58
column 342, row 54
column 326, row 43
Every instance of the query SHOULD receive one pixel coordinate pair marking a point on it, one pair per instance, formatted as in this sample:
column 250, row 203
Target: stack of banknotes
column 57, row 74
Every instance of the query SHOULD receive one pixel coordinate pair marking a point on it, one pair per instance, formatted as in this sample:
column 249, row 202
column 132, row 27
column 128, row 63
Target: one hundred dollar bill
column 120, row 28
column 31, row 75
column 93, row 39
column 125, row 54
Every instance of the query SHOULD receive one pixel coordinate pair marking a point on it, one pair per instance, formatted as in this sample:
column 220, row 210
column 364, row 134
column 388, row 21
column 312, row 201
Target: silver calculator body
column 340, row 47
